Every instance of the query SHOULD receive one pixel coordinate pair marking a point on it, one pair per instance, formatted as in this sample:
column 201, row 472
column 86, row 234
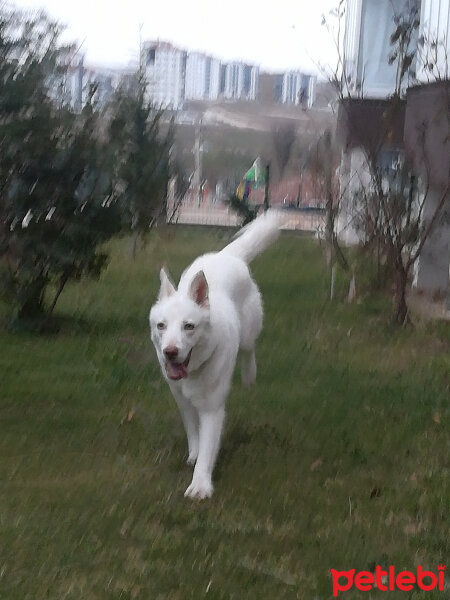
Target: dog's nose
column 171, row 352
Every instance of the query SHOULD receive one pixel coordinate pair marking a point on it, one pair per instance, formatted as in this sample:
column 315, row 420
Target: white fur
column 216, row 311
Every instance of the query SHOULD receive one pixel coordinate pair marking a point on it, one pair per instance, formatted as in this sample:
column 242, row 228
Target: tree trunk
column 134, row 233
column 401, row 309
column 333, row 281
column 62, row 283
column 339, row 253
column 133, row 244
column 32, row 306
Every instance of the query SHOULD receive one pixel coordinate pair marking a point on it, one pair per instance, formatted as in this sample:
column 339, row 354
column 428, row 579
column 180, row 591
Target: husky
column 198, row 330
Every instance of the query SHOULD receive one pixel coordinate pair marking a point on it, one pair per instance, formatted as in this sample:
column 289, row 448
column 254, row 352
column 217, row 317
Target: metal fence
column 220, row 215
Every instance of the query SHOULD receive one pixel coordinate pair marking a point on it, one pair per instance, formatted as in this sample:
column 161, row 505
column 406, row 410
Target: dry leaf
column 129, row 417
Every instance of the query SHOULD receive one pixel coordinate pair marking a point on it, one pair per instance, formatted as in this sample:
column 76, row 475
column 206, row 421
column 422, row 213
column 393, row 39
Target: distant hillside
column 233, row 134
column 256, row 115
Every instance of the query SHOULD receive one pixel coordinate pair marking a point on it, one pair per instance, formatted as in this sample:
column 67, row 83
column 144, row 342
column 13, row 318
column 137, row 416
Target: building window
column 377, row 25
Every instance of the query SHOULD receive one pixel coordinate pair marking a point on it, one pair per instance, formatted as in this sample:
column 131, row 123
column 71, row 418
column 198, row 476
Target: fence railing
column 219, row 215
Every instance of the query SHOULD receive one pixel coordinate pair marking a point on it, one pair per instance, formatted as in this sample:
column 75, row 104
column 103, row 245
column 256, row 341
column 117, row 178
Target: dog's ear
column 198, row 290
column 167, row 288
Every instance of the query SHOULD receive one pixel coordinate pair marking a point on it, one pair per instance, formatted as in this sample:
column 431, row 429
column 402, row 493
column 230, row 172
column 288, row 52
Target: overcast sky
column 277, row 35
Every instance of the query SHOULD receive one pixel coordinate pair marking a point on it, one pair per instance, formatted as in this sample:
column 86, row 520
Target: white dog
column 197, row 331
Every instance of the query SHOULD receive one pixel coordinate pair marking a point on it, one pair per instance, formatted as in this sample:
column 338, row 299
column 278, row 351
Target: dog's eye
column 161, row 326
column 189, row 326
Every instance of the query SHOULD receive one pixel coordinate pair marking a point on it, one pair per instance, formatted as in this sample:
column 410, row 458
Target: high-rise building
column 241, row 81
column 202, row 77
column 165, row 70
column 74, row 84
column 65, row 85
column 298, row 88
column 251, row 82
column 278, row 88
column 223, row 77
column 234, row 81
column 174, row 75
column 212, row 78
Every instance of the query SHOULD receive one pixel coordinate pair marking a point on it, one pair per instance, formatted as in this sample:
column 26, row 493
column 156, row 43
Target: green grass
column 338, row 457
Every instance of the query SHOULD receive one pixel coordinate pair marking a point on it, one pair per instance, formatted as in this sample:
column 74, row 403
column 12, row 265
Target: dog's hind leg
column 248, row 367
column 251, row 317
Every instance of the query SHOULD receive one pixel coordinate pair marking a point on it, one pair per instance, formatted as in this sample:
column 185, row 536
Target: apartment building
column 421, row 128
column 202, row 77
column 240, row 81
column 251, row 82
column 74, row 84
column 66, row 84
column 174, row 75
column 165, row 71
column 298, row 88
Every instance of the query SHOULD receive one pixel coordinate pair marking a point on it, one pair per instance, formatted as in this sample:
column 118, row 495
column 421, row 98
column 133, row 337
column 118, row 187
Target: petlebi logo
column 388, row 580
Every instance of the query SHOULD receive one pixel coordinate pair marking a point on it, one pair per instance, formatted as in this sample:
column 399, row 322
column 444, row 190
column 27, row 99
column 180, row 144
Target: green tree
column 142, row 152
column 56, row 200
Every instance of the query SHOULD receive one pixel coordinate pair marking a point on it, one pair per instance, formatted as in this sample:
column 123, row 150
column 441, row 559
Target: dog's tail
column 255, row 237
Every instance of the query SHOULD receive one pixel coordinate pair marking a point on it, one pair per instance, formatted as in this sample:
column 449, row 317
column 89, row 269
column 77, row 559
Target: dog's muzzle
column 176, row 370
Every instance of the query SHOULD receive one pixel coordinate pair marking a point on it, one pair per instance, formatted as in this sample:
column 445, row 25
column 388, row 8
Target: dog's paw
column 199, row 490
column 248, row 379
column 192, row 459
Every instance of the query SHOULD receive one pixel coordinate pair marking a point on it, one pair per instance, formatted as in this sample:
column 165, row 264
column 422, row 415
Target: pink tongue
column 176, row 371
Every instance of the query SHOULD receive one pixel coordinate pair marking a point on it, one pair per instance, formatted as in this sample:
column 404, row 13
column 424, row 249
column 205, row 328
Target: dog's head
column 178, row 322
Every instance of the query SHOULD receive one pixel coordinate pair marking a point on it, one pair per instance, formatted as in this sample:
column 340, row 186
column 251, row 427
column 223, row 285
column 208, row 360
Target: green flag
column 255, row 174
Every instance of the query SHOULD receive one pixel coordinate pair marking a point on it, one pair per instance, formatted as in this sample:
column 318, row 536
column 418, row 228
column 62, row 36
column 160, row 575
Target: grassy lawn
column 338, row 457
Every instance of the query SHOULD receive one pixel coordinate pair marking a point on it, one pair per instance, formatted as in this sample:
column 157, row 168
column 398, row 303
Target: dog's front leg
column 189, row 416
column 211, row 424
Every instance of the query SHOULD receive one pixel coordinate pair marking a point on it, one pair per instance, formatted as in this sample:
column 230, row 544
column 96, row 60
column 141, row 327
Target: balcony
column 371, row 124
